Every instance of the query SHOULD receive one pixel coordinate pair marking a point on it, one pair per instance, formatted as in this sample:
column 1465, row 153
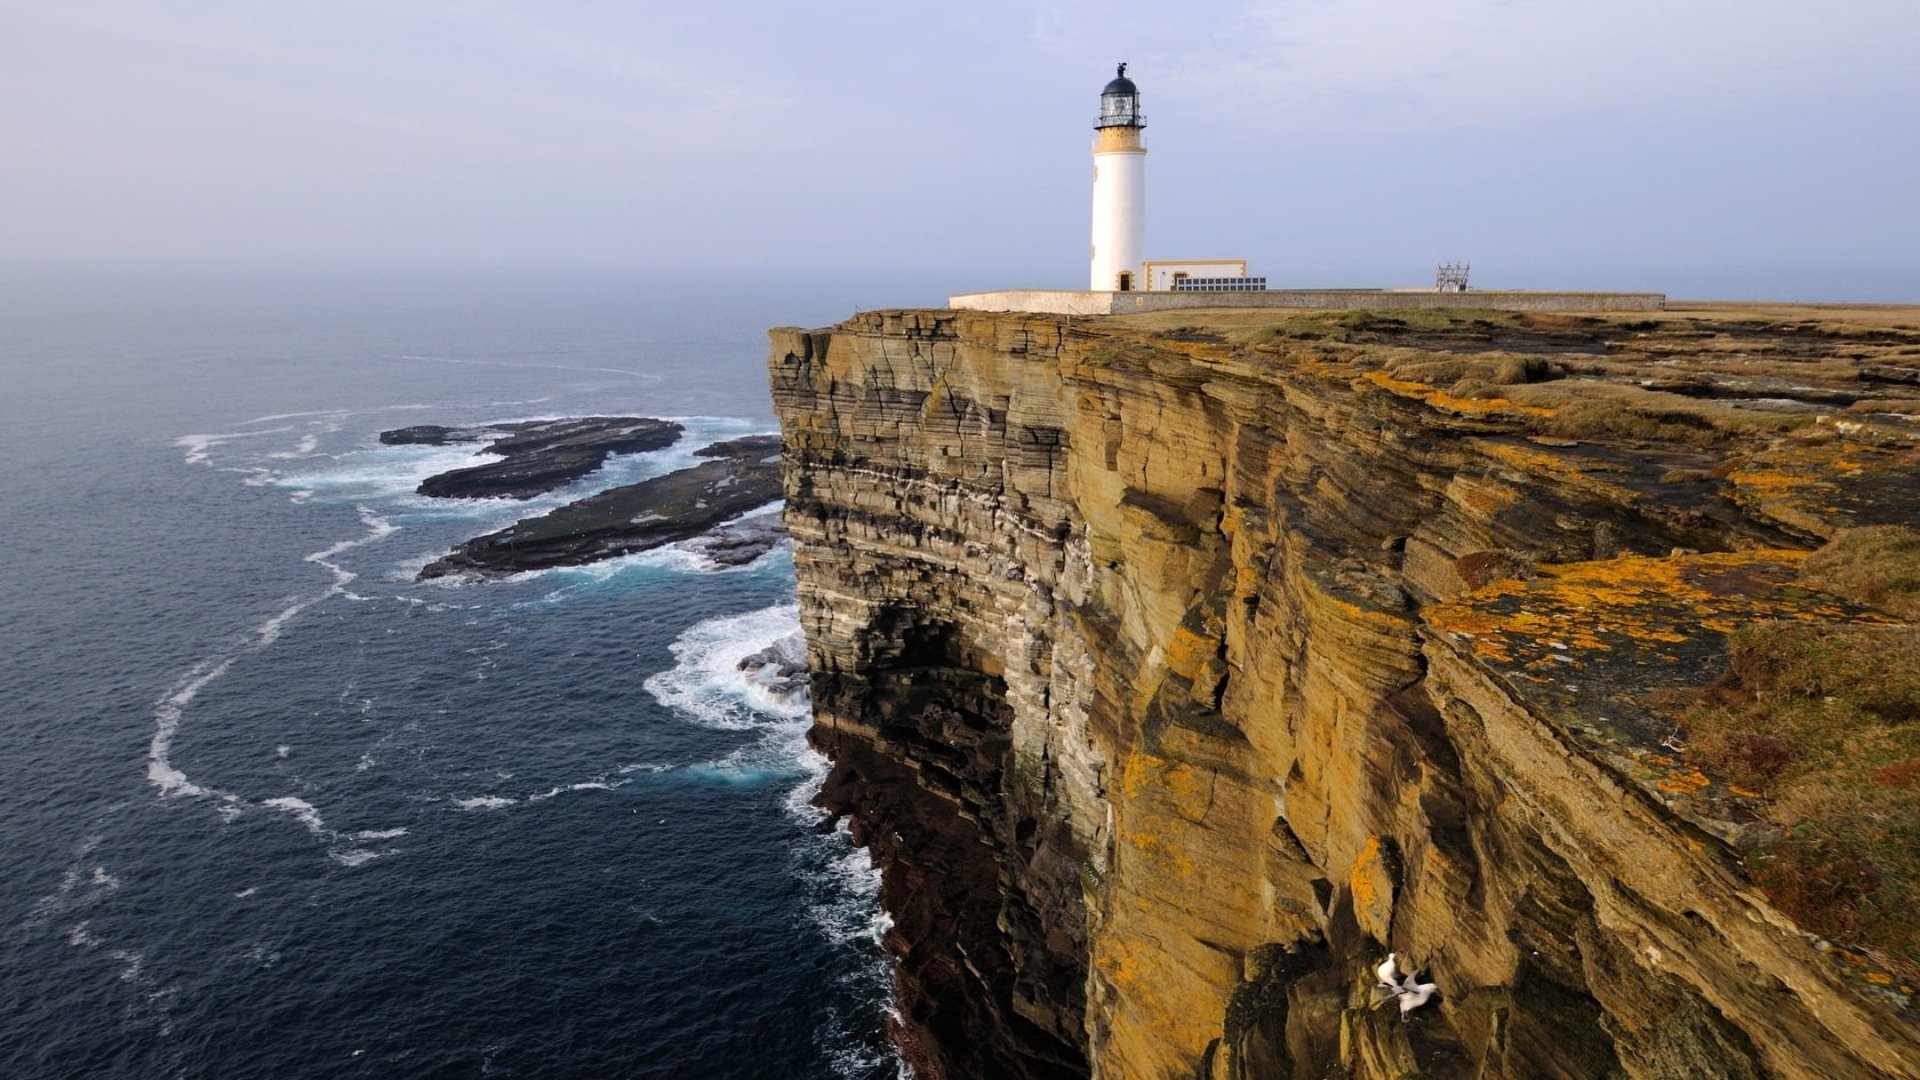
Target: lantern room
column 1120, row 104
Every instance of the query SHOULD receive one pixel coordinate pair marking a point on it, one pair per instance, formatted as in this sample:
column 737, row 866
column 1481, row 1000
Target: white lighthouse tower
column 1119, row 188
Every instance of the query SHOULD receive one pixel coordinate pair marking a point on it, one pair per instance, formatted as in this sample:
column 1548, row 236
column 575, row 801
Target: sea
column 271, row 808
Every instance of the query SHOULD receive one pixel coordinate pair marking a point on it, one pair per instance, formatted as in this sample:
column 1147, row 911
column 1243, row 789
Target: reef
column 537, row 456
column 696, row 504
column 1175, row 668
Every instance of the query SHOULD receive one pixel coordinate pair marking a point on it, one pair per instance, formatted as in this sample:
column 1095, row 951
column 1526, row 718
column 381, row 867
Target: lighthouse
column 1119, row 188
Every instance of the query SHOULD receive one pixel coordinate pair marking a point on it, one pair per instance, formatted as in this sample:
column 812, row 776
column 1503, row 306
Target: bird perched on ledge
column 1388, row 972
column 1413, row 993
column 1406, row 988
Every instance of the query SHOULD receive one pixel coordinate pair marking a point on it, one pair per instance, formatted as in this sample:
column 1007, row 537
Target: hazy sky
column 706, row 134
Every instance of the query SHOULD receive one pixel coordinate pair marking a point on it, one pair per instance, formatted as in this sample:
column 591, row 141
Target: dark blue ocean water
column 268, row 808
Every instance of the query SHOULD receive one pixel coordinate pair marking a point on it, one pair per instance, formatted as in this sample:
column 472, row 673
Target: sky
column 1318, row 138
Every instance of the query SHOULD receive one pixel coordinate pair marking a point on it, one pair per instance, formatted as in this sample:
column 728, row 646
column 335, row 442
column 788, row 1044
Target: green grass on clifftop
column 1824, row 722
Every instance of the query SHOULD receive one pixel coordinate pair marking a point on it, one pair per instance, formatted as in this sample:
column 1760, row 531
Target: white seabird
column 1389, row 973
column 1414, row 993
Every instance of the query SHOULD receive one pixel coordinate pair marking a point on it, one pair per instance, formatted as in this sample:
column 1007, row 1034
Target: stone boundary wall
column 1080, row 302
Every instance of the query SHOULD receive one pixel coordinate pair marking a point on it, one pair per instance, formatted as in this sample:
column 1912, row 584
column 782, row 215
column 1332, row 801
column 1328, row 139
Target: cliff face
column 1175, row 673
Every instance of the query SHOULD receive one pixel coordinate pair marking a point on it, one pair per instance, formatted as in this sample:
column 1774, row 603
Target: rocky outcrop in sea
column 537, row 456
column 699, row 504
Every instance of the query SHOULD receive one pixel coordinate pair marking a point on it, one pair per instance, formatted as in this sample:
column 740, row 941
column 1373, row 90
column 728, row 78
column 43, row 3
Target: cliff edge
column 1175, row 668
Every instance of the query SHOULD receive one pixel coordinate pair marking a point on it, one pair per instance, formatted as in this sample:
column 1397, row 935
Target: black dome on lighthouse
column 1120, row 104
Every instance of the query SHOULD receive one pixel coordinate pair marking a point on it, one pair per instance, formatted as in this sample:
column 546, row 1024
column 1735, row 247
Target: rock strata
column 1176, row 668
column 537, row 456
column 743, row 475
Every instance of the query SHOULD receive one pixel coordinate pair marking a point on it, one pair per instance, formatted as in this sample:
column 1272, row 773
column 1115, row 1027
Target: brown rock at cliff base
column 1123, row 638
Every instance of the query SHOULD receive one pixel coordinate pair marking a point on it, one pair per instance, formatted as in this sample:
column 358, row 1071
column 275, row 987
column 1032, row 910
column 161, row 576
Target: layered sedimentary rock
column 1175, row 672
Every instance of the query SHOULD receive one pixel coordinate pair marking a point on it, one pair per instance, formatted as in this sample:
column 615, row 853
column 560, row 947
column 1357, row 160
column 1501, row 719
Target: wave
column 301, row 809
column 584, row 785
column 308, row 445
column 641, row 566
column 169, row 711
column 735, row 672
column 336, row 413
column 739, row 672
column 199, row 447
column 385, row 472
column 77, row 892
column 377, row 834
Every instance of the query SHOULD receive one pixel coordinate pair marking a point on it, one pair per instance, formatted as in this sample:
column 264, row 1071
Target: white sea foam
column 269, row 631
column 168, row 711
column 301, row 809
column 160, row 769
column 308, row 443
column 574, row 580
column 858, row 916
column 737, row 770
column 199, row 447
column 485, row 802
column 845, row 889
column 359, row 856
column 585, row 785
column 336, row 413
column 708, row 685
column 378, row 529
column 377, row 834
column 246, row 892
column 381, row 472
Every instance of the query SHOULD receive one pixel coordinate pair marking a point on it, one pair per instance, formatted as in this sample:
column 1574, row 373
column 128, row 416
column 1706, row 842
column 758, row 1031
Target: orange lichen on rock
column 1189, row 652
column 1530, row 460
column 1198, row 350
column 1437, row 398
column 1371, row 881
column 1685, row 781
column 1627, row 603
column 1822, row 487
column 1589, row 644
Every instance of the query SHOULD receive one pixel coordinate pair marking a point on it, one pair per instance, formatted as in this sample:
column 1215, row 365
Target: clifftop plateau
column 1177, row 667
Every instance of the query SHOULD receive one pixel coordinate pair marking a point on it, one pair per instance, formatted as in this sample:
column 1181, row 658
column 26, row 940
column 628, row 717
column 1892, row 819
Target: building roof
column 1121, row 84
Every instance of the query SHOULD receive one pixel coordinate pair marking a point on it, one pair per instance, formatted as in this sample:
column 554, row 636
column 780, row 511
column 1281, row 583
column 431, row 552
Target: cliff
column 1175, row 668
